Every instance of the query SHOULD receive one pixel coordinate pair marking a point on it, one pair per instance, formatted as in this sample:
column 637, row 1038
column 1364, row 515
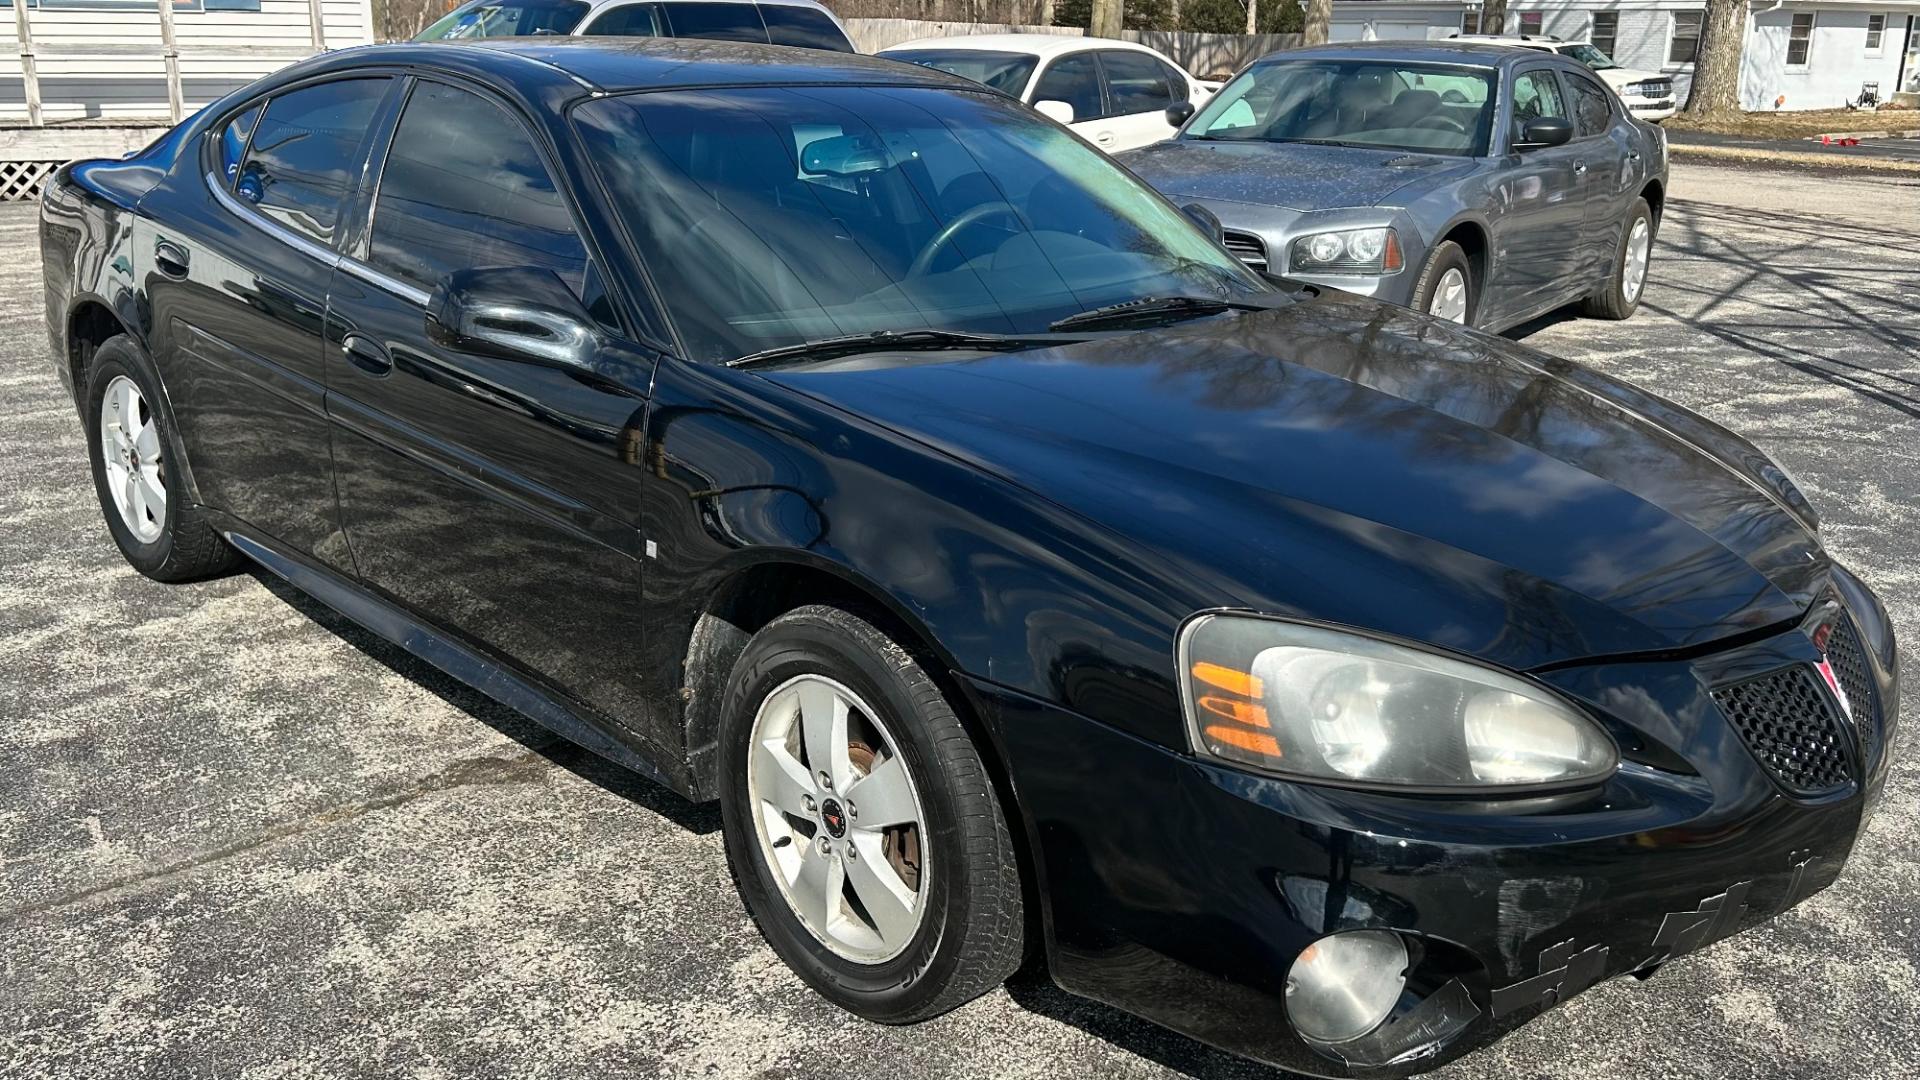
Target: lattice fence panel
column 20, row 180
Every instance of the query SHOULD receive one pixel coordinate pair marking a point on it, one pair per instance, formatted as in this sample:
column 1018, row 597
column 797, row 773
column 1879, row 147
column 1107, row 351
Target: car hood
column 1357, row 463
column 1619, row 77
column 1297, row 176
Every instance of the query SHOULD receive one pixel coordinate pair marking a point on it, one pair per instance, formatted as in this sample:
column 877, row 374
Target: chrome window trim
column 405, row 290
column 252, row 215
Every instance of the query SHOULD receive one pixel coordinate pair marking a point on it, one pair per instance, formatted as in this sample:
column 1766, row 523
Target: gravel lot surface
column 241, row 838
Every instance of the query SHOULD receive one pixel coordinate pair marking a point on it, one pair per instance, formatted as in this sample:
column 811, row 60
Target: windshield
column 778, row 215
column 514, row 18
column 1590, row 56
column 1386, row 105
column 1006, row 72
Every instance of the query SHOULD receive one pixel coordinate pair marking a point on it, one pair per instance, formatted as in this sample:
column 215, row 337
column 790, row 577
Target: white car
column 802, row 23
column 1114, row 94
column 1648, row 95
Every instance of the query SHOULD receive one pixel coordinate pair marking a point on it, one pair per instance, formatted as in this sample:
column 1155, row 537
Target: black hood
column 1353, row 462
column 1298, row 176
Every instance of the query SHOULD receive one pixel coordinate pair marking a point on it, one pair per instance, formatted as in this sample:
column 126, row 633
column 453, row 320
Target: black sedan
column 1022, row 573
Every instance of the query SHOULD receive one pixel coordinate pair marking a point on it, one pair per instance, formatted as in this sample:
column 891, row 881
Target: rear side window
column 803, row 27
column 303, row 157
column 630, row 20
column 717, row 22
column 233, row 143
column 464, row 187
column 1592, row 112
column 1075, row 80
column 1136, row 83
column 1176, row 81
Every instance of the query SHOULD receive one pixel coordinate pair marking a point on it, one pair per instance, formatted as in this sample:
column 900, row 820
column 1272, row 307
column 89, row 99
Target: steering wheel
column 1434, row 122
column 968, row 218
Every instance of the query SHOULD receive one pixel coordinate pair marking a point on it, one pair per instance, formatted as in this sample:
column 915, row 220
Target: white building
column 1799, row 54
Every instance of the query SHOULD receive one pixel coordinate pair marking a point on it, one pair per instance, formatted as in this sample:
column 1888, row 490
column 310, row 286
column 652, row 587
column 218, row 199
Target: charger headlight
column 1316, row 703
column 1347, row 251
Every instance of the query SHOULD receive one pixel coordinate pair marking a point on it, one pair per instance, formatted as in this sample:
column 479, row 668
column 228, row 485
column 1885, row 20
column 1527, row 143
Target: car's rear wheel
column 152, row 521
column 1619, row 297
column 861, row 824
column 1446, row 289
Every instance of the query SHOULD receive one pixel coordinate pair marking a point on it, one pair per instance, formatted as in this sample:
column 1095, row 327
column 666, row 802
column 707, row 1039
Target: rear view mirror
column 1179, row 113
column 845, row 155
column 1057, row 111
column 1208, row 221
column 512, row 313
column 1544, row 131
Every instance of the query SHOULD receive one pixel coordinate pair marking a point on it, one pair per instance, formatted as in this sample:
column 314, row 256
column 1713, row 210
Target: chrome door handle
column 1580, row 168
column 366, row 355
column 1104, row 137
column 170, row 258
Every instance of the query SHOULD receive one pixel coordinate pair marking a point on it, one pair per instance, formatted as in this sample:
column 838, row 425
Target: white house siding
column 1837, row 60
column 134, row 87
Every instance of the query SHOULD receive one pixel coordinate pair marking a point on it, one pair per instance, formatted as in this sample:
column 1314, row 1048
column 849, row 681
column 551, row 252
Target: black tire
column 970, row 936
column 1611, row 301
column 1447, row 255
column 186, row 547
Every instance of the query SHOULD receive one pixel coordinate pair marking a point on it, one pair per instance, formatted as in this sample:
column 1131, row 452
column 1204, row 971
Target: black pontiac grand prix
column 1023, row 574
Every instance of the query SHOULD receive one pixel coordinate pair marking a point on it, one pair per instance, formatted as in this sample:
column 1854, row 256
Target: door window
column 301, row 162
column 717, row 22
column 1074, row 80
column 1535, row 94
column 630, row 20
column 233, row 143
column 1136, row 83
column 1176, row 81
column 1592, row 106
column 803, row 27
column 464, row 187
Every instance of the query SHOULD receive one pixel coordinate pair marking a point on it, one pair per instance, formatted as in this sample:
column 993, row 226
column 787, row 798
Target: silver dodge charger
column 1484, row 184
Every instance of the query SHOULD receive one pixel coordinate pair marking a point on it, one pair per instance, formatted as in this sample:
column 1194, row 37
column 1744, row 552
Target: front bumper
column 1651, row 109
column 1182, row 891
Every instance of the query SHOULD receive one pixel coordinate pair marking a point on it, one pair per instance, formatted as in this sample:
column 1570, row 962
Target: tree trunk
column 1105, row 21
column 1716, row 73
column 1493, row 17
column 1253, row 16
column 1313, row 30
column 1046, row 12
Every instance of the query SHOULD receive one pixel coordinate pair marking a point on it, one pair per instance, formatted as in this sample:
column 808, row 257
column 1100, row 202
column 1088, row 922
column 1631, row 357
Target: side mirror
column 1208, row 221
column 512, row 313
column 1179, row 113
column 1057, row 111
column 1544, row 131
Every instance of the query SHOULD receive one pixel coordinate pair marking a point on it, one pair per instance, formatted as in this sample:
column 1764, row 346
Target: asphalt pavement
column 241, row 838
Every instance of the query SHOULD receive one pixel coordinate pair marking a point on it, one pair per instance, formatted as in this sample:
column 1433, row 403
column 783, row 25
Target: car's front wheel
column 861, row 823
column 1619, row 297
column 1446, row 289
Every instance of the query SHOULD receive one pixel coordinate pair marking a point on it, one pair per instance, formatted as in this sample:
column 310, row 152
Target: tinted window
column 1535, row 94
column 1176, row 81
column 233, row 143
column 514, row 18
column 804, row 27
column 1074, row 80
column 1006, row 72
column 305, row 153
column 719, row 22
column 464, row 187
column 1591, row 110
column 1435, row 110
column 630, row 20
column 1135, row 83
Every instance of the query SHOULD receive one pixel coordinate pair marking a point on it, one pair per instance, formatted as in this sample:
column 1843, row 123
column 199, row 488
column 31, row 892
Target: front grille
column 1246, row 247
column 1850, row 668
column 1660, row 89
column 1790, row 722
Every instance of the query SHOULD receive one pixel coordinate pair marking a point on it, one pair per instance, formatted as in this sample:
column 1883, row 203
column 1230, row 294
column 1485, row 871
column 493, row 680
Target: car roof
column 1447, row 51
column 1042, row 45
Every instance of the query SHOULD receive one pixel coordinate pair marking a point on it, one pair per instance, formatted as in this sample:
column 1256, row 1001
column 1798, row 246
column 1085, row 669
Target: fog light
column 1342, row 986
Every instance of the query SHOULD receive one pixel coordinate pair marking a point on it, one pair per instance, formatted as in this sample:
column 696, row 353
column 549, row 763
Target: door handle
column 1633, row 155
column 1103, row 138
column 366, row 354
column 170, row 258
column 1580, row 168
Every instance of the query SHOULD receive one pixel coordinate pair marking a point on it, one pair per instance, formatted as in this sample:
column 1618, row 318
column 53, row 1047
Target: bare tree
column 1106, row 18
column 1253, row 16
column 1716, row 71
column 1493, row 16
column 1319, row 14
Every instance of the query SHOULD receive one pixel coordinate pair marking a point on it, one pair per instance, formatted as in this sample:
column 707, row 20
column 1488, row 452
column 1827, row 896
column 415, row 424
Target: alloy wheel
column 839, row 820
column 1633, row 272
column 130, row 448
column 1449, row 300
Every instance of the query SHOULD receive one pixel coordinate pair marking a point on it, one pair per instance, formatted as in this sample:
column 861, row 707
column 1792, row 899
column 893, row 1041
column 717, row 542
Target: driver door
column 1541, row 212
column 491, row 494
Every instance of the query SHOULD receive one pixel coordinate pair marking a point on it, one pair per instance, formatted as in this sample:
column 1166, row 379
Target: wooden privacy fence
column 1201, row 54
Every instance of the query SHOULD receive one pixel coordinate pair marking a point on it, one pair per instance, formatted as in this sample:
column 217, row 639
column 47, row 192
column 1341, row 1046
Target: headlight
column 1350, row 251
column 1633, row 89
column 1322, row 704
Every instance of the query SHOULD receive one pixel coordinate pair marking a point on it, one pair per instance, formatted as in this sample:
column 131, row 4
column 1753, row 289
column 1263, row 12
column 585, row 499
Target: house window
column 1683, row 44
column 1531, row 23
column 1470, row 22
column 1876, row 33
column 1606, row 28
column 1800, row 39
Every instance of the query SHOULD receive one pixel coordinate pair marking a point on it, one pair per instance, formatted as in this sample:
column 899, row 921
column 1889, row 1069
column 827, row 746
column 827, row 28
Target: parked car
column 1478, row 183
column 1646, row 94
column 804, row 24
column 1114, row 94
column 845, row 442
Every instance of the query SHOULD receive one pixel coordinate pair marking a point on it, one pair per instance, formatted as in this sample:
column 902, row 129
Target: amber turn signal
column 1226, row 678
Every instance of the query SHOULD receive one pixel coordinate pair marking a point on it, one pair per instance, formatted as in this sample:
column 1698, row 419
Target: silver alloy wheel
column 1633, row 272
column 130, row 446
column 838, row 818
column 1449, row 300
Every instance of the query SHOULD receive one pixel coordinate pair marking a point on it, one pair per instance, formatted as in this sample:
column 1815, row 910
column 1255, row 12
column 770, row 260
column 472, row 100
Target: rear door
column 1602, row 133
column 1138, row 93
column 494, row 496
column 1075, row 80
column 1541, row 213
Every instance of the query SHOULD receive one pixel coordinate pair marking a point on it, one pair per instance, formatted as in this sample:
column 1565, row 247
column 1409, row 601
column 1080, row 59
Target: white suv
column 1648, row 95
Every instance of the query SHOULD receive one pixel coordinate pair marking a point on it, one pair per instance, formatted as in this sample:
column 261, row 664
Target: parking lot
column 241, row 838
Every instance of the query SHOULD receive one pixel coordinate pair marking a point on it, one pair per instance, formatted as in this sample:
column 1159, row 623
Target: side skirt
column 463, row 663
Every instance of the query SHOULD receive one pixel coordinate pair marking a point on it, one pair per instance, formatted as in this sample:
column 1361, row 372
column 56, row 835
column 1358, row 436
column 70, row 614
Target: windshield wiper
column 1154, row 309
column 892, row 340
